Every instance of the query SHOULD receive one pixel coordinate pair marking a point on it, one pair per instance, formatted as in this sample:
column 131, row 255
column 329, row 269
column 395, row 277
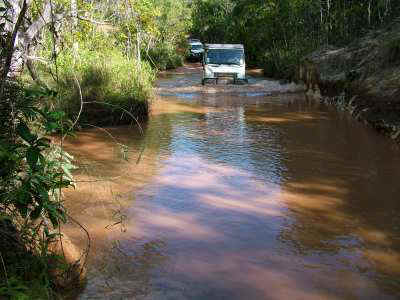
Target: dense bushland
column 33, row 172
column 107, row 63
column 93, row 52
column 278, row 33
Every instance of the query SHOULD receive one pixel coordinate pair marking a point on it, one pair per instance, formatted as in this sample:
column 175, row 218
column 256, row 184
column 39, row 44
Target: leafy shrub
column 280, row 64
column 33, row 171
column 165, row 57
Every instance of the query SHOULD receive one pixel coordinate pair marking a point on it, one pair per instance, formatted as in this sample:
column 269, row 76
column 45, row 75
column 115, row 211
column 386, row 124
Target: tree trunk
column 13, row 56
column 24, row 35
column 74, row 16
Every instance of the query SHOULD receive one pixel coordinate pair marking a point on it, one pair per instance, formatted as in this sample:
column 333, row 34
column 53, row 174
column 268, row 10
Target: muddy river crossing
column 237, row 192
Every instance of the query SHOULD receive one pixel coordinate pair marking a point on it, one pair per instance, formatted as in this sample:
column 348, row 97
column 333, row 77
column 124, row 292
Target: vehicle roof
column 196, row 43
column 223, row 46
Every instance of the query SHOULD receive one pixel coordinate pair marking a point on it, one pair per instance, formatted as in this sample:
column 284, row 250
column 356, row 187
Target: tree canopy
column 276, row 33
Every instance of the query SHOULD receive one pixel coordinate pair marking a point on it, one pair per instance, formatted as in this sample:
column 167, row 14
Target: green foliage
column 28, row 277
column 393, row 49
column 32, row 175
column 165, row 57
column 280, row 63
column 173, row 22
column 14, row 289
column 103, row 73
column 156, row 27
column 33, row 178
column 277, row 33
column 213, row 20
column 111, row 67
column 114, row 88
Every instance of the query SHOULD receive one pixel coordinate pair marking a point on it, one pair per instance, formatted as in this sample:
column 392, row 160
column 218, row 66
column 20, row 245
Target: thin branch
column 93, row 21
column 108, row 133
column 41, row 59
column 119, row 144
column 81, row 100
column 88, row 239
column 111, row 178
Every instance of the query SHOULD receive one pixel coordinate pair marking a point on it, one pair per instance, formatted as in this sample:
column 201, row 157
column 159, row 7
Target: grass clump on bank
column 113, row 89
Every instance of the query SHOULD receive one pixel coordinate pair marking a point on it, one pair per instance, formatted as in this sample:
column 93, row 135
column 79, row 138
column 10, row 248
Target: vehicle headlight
column 241, row 74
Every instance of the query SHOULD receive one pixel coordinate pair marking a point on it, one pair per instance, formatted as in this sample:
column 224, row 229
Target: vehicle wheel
column 203, row 82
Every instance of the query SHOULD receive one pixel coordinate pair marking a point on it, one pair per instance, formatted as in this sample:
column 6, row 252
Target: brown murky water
column 238, row 192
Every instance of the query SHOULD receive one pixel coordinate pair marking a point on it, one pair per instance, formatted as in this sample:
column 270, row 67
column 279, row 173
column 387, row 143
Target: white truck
column 196, row 49
column 224, row 61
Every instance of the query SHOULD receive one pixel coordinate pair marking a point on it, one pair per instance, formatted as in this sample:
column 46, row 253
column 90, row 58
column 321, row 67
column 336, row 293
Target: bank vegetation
column 67, row 64
column 277, row 34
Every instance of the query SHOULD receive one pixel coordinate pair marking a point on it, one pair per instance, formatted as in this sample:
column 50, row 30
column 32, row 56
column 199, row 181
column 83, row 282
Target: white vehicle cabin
column 224, row 61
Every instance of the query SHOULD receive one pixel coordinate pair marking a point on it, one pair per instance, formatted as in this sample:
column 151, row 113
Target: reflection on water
column 239, row 195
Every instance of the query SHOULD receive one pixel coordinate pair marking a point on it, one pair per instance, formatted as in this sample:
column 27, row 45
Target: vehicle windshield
column 224, row 56
column 196, row 47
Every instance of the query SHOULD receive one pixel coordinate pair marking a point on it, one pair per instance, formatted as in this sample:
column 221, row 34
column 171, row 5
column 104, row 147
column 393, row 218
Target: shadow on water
column 241, row 197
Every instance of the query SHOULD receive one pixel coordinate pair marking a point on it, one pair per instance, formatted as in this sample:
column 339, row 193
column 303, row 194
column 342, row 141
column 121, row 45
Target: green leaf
column 57, row 115
column 43, row 142
column 22, row 208
column 52, row 211
column 36, row 212
column 62, row 184
column 51, row 126
column 53, row 218
column 25, row 133
column 32, row 156
column 43, row 192
column 67, row 172
column 61, row 215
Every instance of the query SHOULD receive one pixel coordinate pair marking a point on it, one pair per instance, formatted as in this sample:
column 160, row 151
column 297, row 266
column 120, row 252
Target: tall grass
column 113, row 88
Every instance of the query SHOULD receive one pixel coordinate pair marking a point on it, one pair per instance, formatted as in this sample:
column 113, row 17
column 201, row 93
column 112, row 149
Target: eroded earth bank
column 362, row 78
